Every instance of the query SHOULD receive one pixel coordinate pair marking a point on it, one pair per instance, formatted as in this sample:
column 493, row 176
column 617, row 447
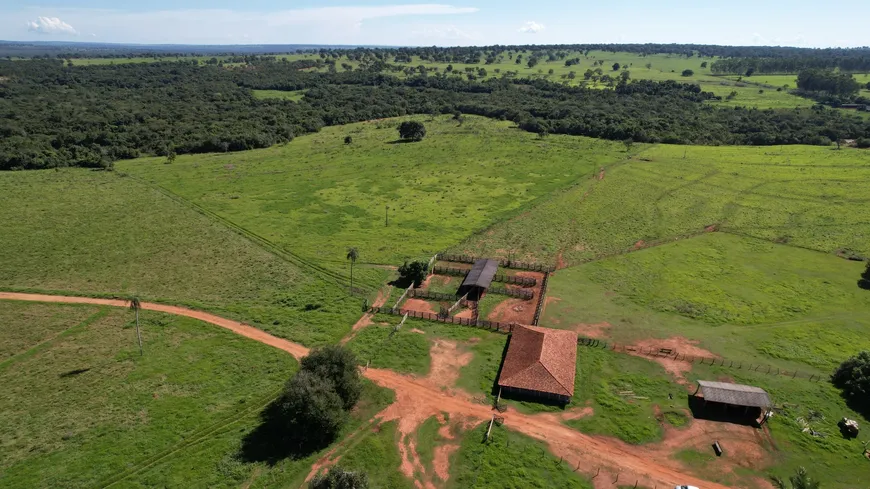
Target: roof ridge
column 553, row 376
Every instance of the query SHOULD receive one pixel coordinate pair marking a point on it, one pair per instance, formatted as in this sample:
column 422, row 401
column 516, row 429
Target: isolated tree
column 801, row 480
column 170, row 157
column 348, row 140
column 412, row 130
column 338, row 478
column 310, row 411
column 415, row 272
column 625, row 75
column 338, row 365
column 649, row 66
column 688, row 73
column 352, row 255
column 135, row 305
column 628, row 144
column 704, row 64
column 615, row 66
column 853, row 376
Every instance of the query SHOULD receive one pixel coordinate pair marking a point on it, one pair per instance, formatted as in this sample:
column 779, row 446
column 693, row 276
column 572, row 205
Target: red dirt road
column 294, row 349
column 589, row 452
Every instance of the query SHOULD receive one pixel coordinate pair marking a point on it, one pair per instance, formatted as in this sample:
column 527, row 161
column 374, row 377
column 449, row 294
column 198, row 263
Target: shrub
column 413, row 130
column 853, row 376
column 414, row 272
column 688, row 73
column 311, row 410
column 338, row 365
column 348, row 140
column 863, row 143
column 338, row 478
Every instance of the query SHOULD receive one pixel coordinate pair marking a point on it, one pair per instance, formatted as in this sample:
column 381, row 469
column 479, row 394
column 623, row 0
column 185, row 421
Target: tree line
column 852, row 61
column 55, row 115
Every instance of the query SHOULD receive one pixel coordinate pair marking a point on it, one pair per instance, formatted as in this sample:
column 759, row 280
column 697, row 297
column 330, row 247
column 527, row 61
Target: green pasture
column 318, row 196
column 78, row 231
column 509, row 460
column 744, row 299
column 804, row 196
column 293, row 96
column 86, row 407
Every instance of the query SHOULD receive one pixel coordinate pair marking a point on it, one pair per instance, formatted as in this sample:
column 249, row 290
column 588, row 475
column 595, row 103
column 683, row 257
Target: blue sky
column 443, row 23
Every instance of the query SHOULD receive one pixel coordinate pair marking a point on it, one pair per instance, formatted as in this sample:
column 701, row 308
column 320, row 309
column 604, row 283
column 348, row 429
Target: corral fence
column 440, row 296
column 506, row 279
column 534, row 267
column 496, row 326
column 672, row 354
column 541, row 297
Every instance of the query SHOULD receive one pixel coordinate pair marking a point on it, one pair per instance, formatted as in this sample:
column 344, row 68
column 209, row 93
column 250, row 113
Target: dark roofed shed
column 479, row 278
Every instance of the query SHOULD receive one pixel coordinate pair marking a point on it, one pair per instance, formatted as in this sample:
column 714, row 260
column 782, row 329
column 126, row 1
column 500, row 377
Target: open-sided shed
column 478, row 279
column 720, row 397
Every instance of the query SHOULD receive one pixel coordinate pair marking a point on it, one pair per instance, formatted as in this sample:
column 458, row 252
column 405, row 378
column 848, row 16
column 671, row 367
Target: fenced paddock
column 505, row 279
column 496, row 326
column 682, row 357
column 534, row 267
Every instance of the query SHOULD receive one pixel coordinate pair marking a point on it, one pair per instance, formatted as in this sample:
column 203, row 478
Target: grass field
column 317, row 196
column 293, row 96
column 86, row 406
column 84, row 232
column 799, row 195
column 748, row 300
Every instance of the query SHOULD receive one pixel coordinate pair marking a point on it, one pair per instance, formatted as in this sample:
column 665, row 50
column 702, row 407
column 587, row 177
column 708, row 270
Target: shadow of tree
column 275, row 440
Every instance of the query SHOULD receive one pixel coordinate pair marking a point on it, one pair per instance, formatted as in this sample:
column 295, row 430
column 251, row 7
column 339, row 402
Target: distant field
column 801, row 195
column 750, row 301
column 294, row 96
column 317, row 196
column 85, row 232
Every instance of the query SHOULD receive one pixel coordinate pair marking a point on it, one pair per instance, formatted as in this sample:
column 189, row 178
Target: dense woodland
column 57, row 115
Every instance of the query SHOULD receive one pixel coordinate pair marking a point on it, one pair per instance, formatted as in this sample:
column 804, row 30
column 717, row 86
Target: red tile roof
column 541, row 359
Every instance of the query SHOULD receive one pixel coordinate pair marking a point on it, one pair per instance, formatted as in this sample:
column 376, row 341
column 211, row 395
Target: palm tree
column 801, row 480
column 352, row 255
column 135, row 305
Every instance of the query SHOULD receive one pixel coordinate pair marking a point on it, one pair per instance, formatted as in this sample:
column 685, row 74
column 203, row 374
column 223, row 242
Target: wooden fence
column 435, row 296
column 534, row 267
column 506, row 279
column 505, row 328
column 518, row 293
column 541, row 297
column 682, row 357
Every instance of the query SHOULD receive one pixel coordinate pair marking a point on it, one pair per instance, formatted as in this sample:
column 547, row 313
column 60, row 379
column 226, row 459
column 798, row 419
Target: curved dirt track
column 294, row 349
column 577, row 449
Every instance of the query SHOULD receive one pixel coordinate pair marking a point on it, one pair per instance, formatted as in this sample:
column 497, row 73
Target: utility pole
column 386, row 215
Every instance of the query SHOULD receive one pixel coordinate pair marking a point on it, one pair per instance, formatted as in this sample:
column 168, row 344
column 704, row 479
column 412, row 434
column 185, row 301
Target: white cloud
column 50, row 25
column 531, row 27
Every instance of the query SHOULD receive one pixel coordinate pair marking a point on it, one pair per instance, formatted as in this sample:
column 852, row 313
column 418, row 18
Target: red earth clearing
column 597, row 331
column 678, row 345
column 418, row 305
column 366, row 319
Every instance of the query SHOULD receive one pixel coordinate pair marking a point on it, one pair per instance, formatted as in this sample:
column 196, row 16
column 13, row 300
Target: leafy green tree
column 338, row 365
column 704, row 64
column 688, row 73
column 412, row 130
column 628, row 144
column 615, row 66
column 352, row 255
column 863, row 143
column 310, row 410
column 415, row 272
column 170, row 157
column 853, row 375
column 338, row 478
column 135, row 306
column 648, row 66
column 348, row 140
column 533, row 61
column 801, row 480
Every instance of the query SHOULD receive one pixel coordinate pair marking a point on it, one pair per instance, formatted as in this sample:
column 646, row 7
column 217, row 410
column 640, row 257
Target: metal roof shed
column 734, row 394
column 479, row 278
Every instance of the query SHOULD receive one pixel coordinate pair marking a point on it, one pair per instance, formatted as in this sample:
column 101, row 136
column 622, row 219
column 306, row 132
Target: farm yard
column 668, row 264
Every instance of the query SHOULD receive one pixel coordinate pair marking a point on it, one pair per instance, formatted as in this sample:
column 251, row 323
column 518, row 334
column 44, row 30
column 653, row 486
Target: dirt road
column 294, row 349
column 589, row 452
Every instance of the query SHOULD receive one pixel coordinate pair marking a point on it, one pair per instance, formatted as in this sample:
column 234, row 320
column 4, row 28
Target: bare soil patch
column 679, row 346
column 464, row 314
column 513, row 311
column 418, row 331
column 418, row 305
column 597, row 331
column 366, row 319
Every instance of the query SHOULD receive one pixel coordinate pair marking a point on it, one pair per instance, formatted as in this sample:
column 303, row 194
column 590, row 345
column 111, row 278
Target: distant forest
column 54, row 115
